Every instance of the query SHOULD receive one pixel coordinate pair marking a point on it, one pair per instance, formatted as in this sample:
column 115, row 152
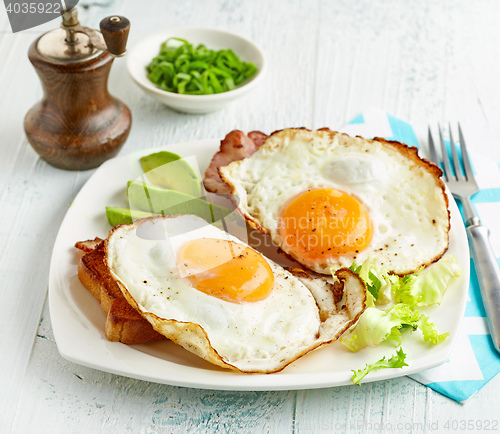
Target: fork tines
column 458, row 175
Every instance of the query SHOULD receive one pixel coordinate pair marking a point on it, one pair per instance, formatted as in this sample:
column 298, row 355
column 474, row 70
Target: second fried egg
column 328, row 200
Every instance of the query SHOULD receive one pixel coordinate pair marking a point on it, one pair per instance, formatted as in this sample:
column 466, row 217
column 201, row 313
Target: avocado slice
column 168, row 170
column 169, row 202
column 119, row 216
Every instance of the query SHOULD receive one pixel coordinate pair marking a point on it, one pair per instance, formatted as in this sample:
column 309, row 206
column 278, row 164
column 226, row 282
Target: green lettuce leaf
column 376, row 326
column 429, row 331
column 419, row 289
column 377, row 280
column 427, row 287
column 396, row 361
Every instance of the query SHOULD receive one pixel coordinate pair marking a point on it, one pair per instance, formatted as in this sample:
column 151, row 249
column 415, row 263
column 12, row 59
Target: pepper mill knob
column 78, row 125
column 115, row 30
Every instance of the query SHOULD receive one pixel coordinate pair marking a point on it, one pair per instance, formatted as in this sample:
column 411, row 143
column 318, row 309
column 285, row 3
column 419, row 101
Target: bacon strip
column 90, row 245
column 235, row 146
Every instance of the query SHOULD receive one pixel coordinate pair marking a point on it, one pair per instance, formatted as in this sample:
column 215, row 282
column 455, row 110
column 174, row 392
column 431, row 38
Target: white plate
column 78, row 321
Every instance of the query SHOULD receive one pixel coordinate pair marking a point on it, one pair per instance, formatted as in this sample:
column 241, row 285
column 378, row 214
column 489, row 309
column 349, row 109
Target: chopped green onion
column 197, row 70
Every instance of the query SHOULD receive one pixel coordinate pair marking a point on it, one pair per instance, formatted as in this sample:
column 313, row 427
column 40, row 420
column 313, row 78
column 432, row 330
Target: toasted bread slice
column 123, row 324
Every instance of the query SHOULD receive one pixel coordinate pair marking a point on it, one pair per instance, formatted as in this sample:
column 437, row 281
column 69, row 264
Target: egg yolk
column 226, row 270
column 325, row 222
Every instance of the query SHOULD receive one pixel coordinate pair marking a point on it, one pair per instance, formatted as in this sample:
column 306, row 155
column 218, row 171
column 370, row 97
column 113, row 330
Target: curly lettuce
column 428, row 287
column 377, row 280
column 396, row 361
column 375, row 325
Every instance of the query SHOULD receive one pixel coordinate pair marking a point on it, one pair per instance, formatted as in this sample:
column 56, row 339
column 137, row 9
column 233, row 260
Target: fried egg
column 220, row 299
column 329, row 200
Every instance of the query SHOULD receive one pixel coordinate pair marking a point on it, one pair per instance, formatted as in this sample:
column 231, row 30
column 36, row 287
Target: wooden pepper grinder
column 78, row 124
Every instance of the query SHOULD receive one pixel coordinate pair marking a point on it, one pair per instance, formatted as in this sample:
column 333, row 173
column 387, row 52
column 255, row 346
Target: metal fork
column 463, row 187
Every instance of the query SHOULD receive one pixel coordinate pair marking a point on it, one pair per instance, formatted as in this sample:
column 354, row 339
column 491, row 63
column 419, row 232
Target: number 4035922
column 33, row 8
column 471, row 425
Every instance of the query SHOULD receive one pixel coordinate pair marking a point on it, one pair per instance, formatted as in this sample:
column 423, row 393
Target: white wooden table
column 423, row 61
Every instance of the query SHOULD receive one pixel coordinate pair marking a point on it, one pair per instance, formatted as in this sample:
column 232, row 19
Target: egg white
column 262, row 336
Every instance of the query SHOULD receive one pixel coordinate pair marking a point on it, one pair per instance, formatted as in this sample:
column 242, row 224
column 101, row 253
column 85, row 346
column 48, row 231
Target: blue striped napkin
column 473, row 360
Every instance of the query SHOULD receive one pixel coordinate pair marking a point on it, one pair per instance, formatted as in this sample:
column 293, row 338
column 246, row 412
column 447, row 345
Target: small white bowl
column 140, row 56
